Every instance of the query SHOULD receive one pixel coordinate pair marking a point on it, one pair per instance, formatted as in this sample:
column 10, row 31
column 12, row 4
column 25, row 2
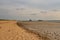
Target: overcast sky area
column 30, row 9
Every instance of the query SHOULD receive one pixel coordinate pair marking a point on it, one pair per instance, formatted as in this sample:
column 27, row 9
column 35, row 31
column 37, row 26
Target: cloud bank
column 30, row 9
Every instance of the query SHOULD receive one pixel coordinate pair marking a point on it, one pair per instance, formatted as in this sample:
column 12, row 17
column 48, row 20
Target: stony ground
column 9, row 30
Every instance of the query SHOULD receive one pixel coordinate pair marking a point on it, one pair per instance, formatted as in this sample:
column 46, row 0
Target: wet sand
column 47, row 30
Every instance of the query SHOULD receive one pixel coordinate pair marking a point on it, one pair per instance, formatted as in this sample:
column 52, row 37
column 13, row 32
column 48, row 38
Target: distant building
column 30, row 20
column 40, row 20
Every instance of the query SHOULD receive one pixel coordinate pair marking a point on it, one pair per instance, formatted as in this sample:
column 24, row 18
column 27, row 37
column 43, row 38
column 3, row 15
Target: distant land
column 53, row 21
column 32, row 20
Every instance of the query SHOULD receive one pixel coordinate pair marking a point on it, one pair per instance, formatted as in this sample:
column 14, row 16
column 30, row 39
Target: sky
column 30, row 9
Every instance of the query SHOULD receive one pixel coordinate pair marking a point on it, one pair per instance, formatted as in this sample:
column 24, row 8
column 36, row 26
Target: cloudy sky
column 30, row 9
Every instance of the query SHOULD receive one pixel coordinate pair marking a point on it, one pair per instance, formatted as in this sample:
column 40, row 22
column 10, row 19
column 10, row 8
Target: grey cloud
column 13, row 9
column 48, row 4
